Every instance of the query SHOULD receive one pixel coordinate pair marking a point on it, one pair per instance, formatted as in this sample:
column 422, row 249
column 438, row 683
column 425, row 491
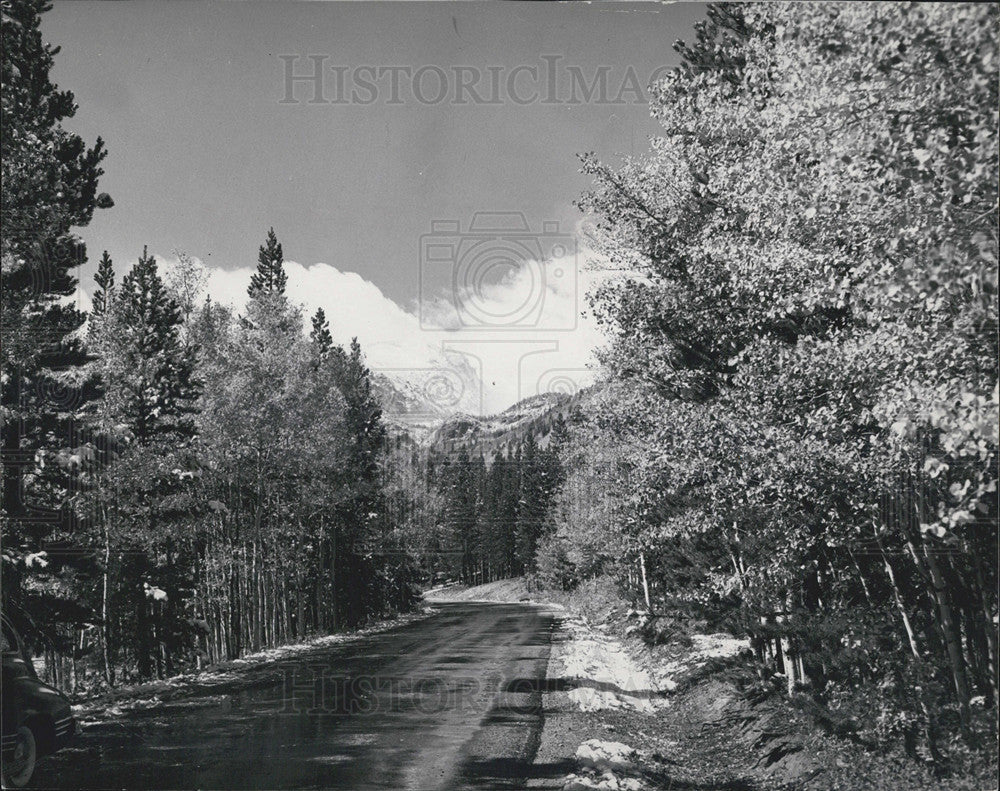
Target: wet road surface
column 448, row 702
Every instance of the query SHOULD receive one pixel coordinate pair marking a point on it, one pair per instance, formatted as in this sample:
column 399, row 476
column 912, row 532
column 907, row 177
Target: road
column 451, row 701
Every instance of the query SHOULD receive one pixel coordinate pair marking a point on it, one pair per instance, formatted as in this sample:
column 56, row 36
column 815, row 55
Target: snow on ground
column 610, row 672
column 608, row 676
column 508, row 591
column 605, row 765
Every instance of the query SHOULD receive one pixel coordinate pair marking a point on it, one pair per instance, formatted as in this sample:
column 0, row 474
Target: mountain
column 505, row 431
column 417, row 400
column 421, row 411
column 405, row 407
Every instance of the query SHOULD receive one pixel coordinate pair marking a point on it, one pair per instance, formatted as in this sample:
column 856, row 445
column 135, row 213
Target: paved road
column 448, row 702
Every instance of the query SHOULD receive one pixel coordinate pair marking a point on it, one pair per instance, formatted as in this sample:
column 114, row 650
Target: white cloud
column 536, row 339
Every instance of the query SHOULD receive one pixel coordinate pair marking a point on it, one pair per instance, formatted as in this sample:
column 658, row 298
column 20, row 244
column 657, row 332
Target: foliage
column 802, row 341
column 493, row 516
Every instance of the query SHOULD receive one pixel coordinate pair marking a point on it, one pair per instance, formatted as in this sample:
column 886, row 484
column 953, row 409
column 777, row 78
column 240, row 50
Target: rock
column 580, row 783
column 604, row 756
column 606, row 782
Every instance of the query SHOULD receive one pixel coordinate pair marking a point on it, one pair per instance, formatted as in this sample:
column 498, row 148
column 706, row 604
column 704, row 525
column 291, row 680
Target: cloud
column 503, row 338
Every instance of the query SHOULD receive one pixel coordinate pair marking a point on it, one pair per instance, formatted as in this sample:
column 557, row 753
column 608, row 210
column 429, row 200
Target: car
column 37, row 718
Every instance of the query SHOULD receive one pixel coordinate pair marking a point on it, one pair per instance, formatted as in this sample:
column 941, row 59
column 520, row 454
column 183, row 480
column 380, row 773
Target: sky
column 422, row 185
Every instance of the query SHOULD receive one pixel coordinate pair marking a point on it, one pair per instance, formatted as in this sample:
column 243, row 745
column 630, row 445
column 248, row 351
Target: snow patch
column 606, row 782
column 610, row 678
column 600, row 755
column 605, row 765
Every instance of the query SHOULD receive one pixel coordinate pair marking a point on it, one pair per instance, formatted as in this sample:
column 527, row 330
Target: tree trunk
column 645, row 582
column 334, row 619
column 109, row 672
column 142, row 627
column 987, row 618
column 951, row 634
column 787, row 652
column 898, row 598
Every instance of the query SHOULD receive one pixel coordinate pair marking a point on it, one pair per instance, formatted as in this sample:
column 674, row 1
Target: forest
column 794, row 434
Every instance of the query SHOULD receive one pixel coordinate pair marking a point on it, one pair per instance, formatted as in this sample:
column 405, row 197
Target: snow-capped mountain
column 436, row 409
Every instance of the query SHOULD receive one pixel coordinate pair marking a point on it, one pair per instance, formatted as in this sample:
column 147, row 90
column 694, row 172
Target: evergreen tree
column 320, row 335
column 148, row 371
column 532, row 503
column 509, row 484
column 105, row 280
column 270, row 275
column 150, row 393
column 49, row 182
column 718, row 44
column 493, row 528
column 460, row 512
column 364, row 411
column 363, row 505
column 560, row 435
column 479, row 536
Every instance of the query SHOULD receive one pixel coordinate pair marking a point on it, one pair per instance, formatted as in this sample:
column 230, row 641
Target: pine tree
column 460, row 511
column 366, row 438
column 529, row 516
column 150, row 390
column 270, row 276
column 560, row 435
column 105, row 280
column 149, row 373
column 509, row 484
column 320, row 335
column 479, row 537
column 491, row 518
column 49, row 181
column 364, row 411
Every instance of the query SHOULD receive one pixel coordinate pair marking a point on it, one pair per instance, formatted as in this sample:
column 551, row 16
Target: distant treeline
column 491, row 516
